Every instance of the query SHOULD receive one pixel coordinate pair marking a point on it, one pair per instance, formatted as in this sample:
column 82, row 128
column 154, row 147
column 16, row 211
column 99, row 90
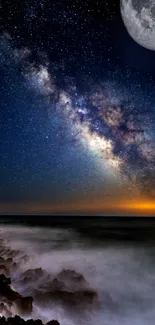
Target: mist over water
column 122, row 274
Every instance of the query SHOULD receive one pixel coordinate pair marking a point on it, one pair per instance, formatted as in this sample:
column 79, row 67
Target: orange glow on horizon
column 133, row 207
column 144, row 206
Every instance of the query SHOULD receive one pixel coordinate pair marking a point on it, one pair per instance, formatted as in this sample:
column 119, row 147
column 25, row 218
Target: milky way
column 113, row 127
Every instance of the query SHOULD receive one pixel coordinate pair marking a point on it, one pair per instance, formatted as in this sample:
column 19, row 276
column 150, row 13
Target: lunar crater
column 139, row 19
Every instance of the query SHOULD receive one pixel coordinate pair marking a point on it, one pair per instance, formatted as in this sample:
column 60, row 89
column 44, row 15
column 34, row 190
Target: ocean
column 115, row 262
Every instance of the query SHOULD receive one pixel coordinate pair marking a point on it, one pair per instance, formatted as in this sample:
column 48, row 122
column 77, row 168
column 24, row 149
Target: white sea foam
column 126, row 274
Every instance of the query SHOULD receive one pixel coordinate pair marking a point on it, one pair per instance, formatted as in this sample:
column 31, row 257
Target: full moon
column 139, row 20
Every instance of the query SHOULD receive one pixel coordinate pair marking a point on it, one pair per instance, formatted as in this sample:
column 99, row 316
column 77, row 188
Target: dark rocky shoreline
column 67, row 288
column 17, row 320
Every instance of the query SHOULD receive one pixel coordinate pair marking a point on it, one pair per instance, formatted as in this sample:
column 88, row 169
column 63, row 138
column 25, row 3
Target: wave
column 76, row 282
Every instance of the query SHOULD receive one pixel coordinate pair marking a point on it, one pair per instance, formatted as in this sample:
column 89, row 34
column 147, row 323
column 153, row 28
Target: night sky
column 77, row 110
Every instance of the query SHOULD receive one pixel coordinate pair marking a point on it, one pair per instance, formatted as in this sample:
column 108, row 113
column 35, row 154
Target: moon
column 139, row 19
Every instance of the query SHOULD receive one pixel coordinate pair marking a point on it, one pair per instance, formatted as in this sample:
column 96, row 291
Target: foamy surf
column 122, row 277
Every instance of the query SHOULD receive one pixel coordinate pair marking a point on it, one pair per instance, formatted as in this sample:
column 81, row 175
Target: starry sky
column 77, row 110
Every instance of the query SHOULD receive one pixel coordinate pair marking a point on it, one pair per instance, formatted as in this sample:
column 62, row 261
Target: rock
column 72, row 289
column 74, row 298
column 4, row 282
column 17, row 320
column 9, row 260
column 4, row 270
column 68, row 288
column 4, row 310
column 71, row 275
column 13, row 253
column 57, row 285
column 14, row 266
column 23, row 304
column 32, row 274
column 2, row 260
column 3, row 321
column 25, row 280
column 34, row 322
column 53, row 322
